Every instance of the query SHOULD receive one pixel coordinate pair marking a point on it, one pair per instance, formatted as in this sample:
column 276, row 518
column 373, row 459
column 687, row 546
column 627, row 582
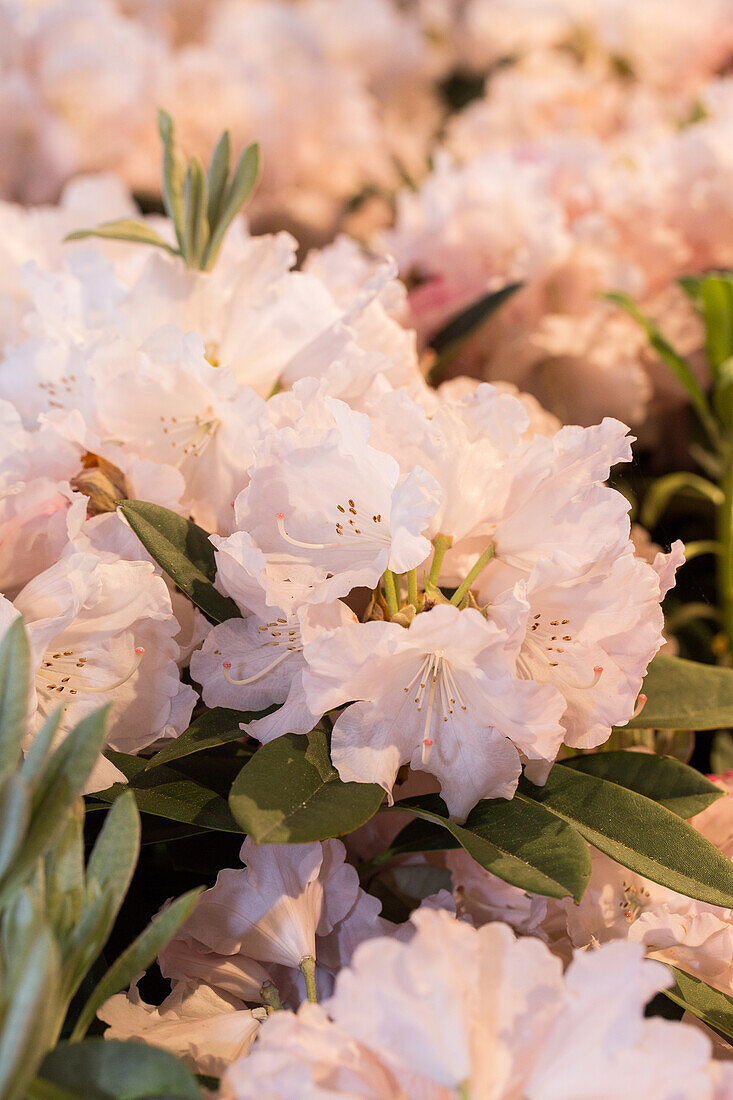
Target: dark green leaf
column 125, row 229
column 164, row 792
column 290, row 793
column 137, row 957
column 214, row 727
column 686, row 695
column 530, row 850
column 669, row 782
column 195, row 202
column 448, row 340
column 183, row 551
column 100, row 1069
column 637, row 833
column 14, row 688
column 709, row 1005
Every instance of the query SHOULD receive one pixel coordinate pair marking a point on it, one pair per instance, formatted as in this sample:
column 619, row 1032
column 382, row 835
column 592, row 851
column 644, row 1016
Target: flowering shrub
column 322, row 610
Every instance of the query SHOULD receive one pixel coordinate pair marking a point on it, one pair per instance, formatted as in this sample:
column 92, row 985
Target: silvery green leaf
column 217, row 177
column 14, row 814
column 125, row 229
column 240, row 189
column 195, row 226
column 14, row 689
column 37, row 752
column 112, row 862
column 138, row 956
column 29, row 1021
column 174, row 170
column 64, row 874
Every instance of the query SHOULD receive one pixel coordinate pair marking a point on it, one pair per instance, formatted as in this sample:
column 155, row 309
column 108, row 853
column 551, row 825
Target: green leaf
column 217, row 177
column 195, row 202
column 637, row 833
column 241, row 187
column 14, row 687
column 30, row 988
column 664, row 489
column 214, row 727
column 290, row 793
column 669, row 782
column 174, row 170
column 137, row 957
column 125, row 229
column 686, row 695
column 531, row 850
column 449, row 339
column 59, row 785
column 709, row 1005
column 37, row 753
column 183, row 552
column 14, row 815
column 108, row 1069
column 164, row 792
column 678, row 365
column 721, row 753
column 113, row 858
column 716, row 297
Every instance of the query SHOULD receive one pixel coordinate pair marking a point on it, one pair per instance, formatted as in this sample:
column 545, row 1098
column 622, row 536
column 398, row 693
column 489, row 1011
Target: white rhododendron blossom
column 475, row 1012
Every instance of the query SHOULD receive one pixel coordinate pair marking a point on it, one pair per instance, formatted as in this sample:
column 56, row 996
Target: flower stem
column 271, row 996
column 478, row 566
column 412, row 587
column 441, row 544
column 390, row 591
column 308, row 969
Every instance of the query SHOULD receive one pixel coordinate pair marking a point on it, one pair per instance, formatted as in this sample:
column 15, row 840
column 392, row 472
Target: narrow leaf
column 141, row 953
column 217, row 178
column 195, row 226
column 684, row 483
column 686, row 695
column 243, row 183
column 113, row 859
column 173, row 174
column 109, row 1069
column 637, row 833
column 529, row 850
column 449, row 339
column 125, row 229
column 14, row 689
column 14, row 814
column 290, row 793
column 183, row 552
column 669, row 782
column 716, row 295
column 212, row 728
column 27, row 1013
column 164, row 792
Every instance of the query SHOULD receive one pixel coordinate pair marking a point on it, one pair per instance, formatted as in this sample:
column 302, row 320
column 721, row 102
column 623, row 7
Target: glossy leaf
column 290, row 793
column 637, row 832
column 709, row 1005
column 212, row 728
column 686, row 695
column 125, row 229
column 669, row 782
column 183, row 552
column 164, row 792
column 517, row 843
column 100, row 1069
column 141, row 953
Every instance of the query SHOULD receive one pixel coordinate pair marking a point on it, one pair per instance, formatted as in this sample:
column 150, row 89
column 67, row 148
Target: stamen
column 139, row 654
column 226, row 665
column 640, row 704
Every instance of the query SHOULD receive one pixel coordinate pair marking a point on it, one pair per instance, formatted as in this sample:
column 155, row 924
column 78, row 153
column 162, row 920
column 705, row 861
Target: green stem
column 308, row 969
column 271, row 996
column 390, row 592
column 441, row 545
column 725, row 558
column 479, row 565
column 703, row 546
column 412, row 587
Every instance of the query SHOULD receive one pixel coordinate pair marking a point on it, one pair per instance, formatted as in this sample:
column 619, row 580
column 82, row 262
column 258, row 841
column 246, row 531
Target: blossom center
column 549, row 642
column 63, row 672
column 436, row 692
column 633, row 901
column 282, row 633
column 352, row 525
column 189, row 436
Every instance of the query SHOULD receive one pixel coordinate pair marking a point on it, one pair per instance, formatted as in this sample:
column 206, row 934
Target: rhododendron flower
column 347, row 521
column 440, row 695
column 100, row 632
